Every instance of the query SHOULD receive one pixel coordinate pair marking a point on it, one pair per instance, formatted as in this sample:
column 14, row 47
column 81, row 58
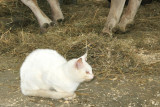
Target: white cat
column 45, row 73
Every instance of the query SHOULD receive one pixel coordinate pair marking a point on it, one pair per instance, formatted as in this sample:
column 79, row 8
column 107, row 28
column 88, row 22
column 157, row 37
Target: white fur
column 46, row 73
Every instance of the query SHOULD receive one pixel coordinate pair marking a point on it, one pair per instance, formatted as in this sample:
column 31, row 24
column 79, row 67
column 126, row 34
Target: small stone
column 66, row 102
column 96, row 82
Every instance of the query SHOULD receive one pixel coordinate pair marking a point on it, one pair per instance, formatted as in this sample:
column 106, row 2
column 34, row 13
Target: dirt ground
column 123, row 91
column 126, row 67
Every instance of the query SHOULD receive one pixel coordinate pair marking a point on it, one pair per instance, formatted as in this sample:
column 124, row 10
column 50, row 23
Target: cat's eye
column 87, row 72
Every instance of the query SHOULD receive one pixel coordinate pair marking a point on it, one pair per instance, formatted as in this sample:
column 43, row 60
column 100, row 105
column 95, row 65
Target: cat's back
column 46, row 53
column 44, row 57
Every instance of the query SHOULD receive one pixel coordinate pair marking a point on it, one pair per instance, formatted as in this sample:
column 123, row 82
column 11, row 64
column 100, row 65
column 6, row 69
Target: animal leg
column 43, row 20
column 56, row 11
column 129, row 14
column 113, row 16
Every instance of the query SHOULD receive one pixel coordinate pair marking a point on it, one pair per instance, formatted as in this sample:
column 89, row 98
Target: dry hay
column 83, row 22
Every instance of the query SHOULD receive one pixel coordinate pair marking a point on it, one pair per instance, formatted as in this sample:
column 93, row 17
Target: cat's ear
column 85, row 56
column 79, row 63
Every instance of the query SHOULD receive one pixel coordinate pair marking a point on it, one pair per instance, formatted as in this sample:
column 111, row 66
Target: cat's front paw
column 70, row 97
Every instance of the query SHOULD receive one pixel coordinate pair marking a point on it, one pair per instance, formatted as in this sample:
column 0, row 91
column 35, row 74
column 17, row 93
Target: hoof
column 106, row 32
column 121, row 30
column 45, row 25
column 52, row 24
column 60, row 20
column 106, row 35
column 123, row 27
column 43, row 28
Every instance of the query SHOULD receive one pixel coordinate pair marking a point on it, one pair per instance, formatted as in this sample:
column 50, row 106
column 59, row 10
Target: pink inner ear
column 79, row 63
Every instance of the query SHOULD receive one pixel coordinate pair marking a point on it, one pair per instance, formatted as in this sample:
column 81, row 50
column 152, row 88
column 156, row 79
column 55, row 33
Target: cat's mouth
column 89, row 79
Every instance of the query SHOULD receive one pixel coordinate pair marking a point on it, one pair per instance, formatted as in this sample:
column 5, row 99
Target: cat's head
column 82, row 70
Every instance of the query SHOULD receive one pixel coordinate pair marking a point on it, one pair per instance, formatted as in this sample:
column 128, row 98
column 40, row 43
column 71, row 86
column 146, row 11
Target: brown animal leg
column 43, row 20
column 129, row 14
column 56, row 10
column 114, row 16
